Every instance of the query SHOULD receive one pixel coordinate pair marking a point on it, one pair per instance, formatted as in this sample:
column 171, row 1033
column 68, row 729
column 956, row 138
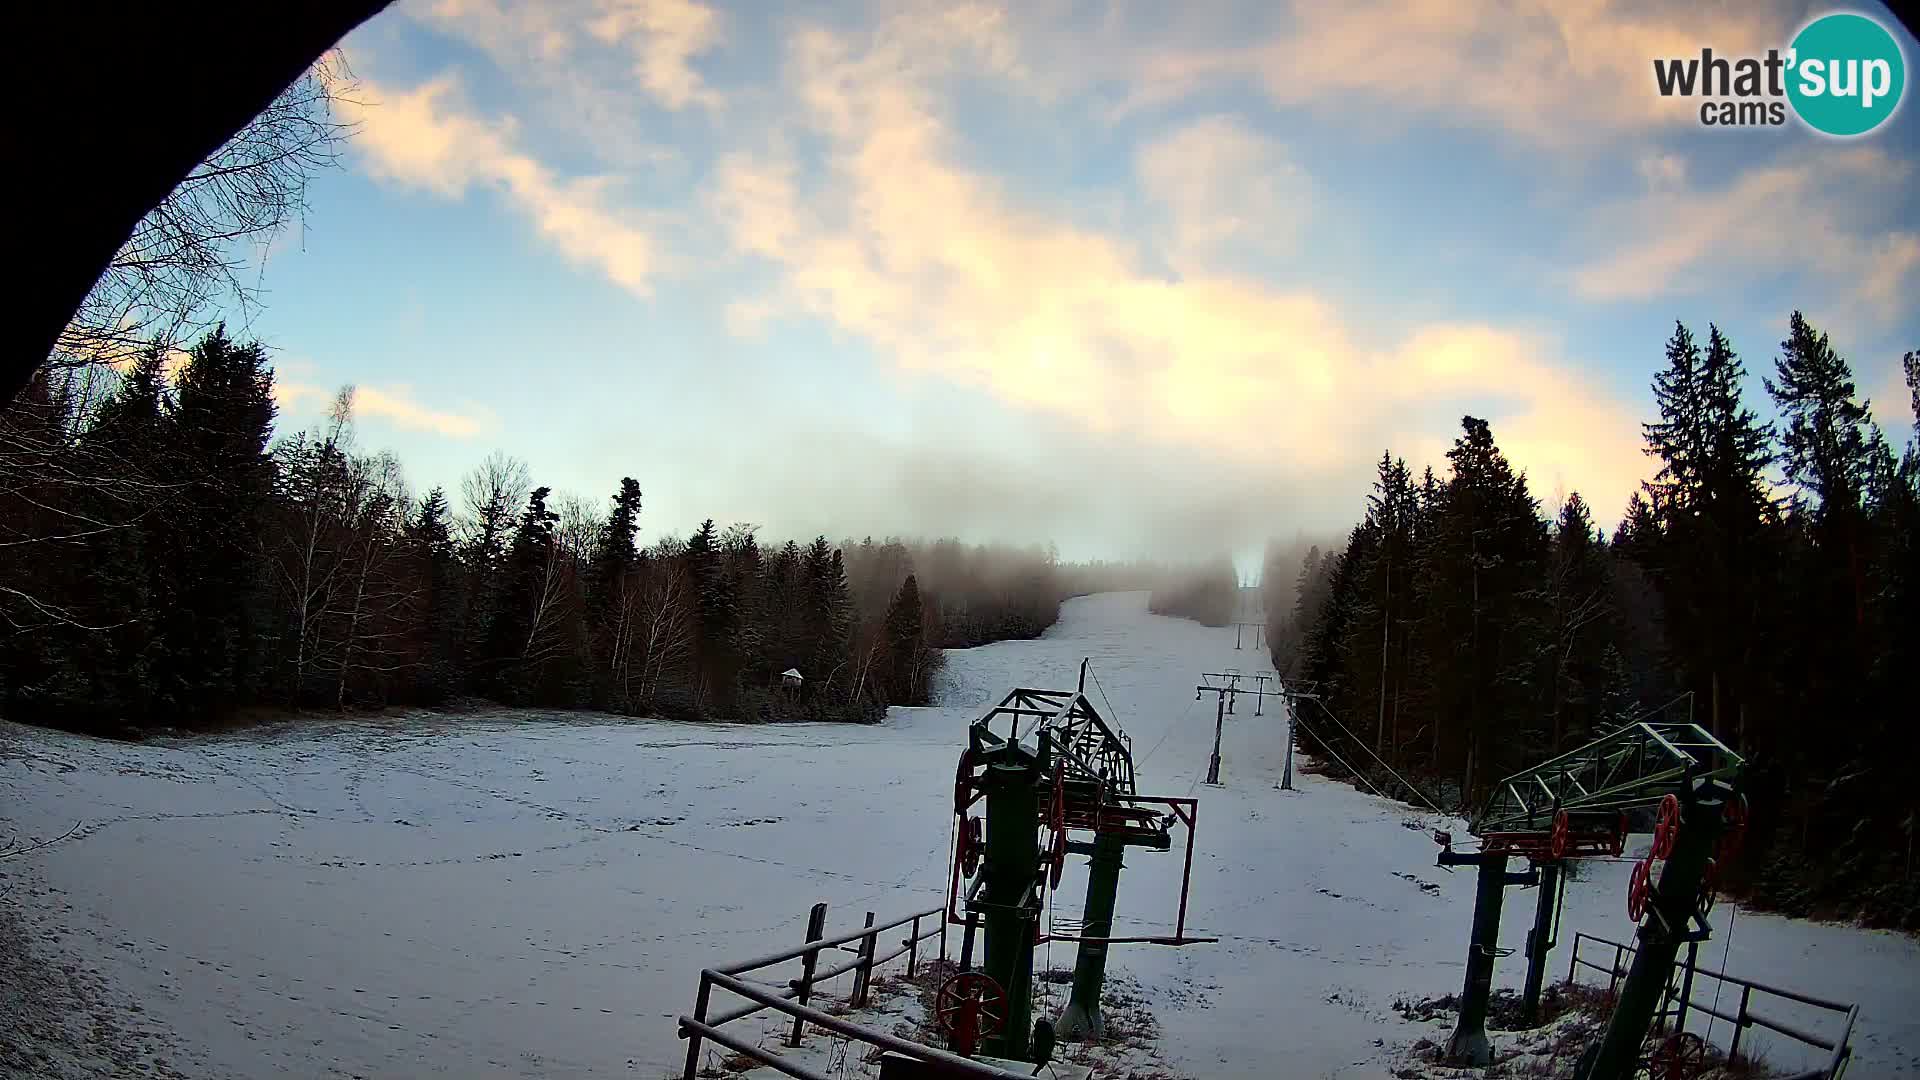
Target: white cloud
column 665, row 37
column 419, row 137
column 1663, row 172
column 847, row 177
column 1807, row 215
column 1226, row 186
column 945, row 274
column 1893, row 405
column 1552, row 73
column 392, row 404
column 660, row 40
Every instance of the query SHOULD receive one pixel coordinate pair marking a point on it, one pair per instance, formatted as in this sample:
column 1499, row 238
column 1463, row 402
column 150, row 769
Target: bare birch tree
column 664, row 616
column 197, row 248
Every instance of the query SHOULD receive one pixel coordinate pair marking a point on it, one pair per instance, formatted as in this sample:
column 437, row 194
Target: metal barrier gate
column 1678, row 1001
column 791, row 998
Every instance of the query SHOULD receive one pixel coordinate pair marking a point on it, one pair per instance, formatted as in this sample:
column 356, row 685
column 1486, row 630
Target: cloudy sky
column 1132, row 277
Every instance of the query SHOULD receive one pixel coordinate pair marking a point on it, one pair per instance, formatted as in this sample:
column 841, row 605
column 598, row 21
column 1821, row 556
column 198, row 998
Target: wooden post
column 816, row 929
column 913, row 946
column 1740, row 1021
column 863, row 975
column 693, row 1037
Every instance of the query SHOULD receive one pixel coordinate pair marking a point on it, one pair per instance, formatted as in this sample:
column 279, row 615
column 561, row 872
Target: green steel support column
column 1011, row 866
column 1540, row 942
column 1664, row 929
column 1081, row 1018
column 1469, row 1044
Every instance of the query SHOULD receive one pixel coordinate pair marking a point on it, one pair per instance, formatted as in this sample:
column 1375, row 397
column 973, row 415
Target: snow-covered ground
column 519, row 895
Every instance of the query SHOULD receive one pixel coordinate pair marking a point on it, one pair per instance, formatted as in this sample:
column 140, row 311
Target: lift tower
column 1056, row 763
column 1582, row 804
column 1226, row 686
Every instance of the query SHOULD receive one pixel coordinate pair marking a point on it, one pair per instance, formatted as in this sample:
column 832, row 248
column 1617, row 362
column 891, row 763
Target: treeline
column 1207, row 592
column 1280, row 582
column 1461, row 635
column 974, row 594
column 165, row 561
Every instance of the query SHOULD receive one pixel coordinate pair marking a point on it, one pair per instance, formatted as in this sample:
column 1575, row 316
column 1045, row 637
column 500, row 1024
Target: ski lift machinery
column 1581, row 805
column 1055, row 779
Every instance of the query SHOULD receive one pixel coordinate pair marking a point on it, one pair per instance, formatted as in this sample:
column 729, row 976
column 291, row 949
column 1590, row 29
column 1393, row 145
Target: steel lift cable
column 1363, row 746
column 1733, row 916
column 1357, row 774
column 1165, row 734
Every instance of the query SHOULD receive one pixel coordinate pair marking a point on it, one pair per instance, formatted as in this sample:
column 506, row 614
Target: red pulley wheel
column 971, row 846
column 970, row 1006
column 1709, row 886
column 1666, row 827
column 963, row 782
column 1681, row 1057
column 1734, row 832
column 1639, row 886
column 1562, row 830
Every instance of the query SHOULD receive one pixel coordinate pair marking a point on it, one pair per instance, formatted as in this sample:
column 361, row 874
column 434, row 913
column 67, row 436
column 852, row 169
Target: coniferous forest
column 1763, row 585
column 170, row 560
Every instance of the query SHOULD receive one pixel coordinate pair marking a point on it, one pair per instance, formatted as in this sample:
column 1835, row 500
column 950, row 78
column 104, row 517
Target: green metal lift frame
column 1579, row 805
column 1055, row 764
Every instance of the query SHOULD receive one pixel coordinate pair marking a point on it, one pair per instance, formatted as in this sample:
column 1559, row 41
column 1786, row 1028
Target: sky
column 1138, row 279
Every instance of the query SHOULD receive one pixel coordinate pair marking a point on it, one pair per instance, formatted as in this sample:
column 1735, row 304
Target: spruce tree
column 905, row 636
column 518, row 645
column 431, row 533
column 211, row 600
column 1677, row 439
column 1829, row 434
column 610, row 580
column 716, row 618
column 1579, row 602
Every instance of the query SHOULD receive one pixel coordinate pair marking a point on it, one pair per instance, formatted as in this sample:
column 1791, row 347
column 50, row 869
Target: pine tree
column 614, row 554
column 1721, row 545
column 1391, row 511
column 1486, row 559
column 1677, row 438
column 826, row 622
column 716, row 619
column 1828, row 434
column 910, row 657
column 1828, row 451
column 745, row 569
column 211, row 596
column 431, row 533
column 1737, row 447
column 128, row 441
column 610, row 597
column 1578, row 598
column 522, row 638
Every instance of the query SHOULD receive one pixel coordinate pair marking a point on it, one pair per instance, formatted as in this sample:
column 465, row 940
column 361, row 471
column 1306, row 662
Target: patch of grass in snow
column 1503, row 1011
column 1574, row 1017
column 1128, row 1049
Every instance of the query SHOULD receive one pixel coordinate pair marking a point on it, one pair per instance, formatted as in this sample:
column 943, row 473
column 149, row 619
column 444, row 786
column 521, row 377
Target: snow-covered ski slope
column 521, row 895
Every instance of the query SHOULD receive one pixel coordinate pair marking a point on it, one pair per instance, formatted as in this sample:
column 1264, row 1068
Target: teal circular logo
column 1846, row 74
